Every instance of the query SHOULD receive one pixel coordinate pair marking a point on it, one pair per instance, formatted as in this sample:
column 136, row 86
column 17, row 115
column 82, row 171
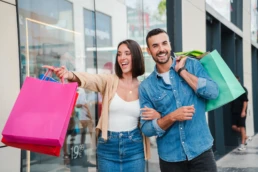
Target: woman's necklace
column 131, row 90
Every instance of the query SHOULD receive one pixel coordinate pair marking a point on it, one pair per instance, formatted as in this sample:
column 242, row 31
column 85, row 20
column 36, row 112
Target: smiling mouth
column 162, row 54
column 124, row 64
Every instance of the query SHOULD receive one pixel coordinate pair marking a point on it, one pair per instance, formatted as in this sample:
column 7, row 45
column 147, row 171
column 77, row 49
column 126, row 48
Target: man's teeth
column 161, row 54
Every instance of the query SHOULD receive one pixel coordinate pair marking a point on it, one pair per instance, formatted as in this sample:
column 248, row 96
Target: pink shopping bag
column 49, row 150
column 41, row 113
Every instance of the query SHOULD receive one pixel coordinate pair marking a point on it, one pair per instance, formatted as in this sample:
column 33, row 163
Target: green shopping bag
column 229, row 86
column 194, row 53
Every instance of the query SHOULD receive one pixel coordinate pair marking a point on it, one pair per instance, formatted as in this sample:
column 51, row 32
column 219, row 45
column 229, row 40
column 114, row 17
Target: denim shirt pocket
column 159, row 101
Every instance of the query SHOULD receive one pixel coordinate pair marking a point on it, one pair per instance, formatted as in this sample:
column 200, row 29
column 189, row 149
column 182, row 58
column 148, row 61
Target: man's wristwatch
column 180, row 70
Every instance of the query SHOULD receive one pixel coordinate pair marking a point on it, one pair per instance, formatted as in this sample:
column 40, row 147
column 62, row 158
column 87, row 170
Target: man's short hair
column 154, row 32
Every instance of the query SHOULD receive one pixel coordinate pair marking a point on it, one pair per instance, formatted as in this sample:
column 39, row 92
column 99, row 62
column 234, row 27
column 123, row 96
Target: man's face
column 159, row 48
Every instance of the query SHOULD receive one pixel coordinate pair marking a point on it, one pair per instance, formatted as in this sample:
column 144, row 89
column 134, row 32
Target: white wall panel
column 249, row 117
column 9, row 61
column 10, row 81
column 11, row 1
column 247, row 60
column 200, row 4
column 193, row 25
column 10, row 159
column 246, row 23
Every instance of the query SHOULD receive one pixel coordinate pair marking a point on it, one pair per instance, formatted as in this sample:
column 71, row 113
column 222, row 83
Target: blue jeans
column 122, row 152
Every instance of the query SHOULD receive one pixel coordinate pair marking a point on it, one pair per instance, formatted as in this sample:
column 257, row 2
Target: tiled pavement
column 234, row 161
column 241, row 161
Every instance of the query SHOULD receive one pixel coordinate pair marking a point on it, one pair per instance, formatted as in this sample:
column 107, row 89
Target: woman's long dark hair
column 138, row 67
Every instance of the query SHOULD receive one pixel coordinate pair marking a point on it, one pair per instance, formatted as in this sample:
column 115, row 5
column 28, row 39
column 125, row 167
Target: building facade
column 83, row 36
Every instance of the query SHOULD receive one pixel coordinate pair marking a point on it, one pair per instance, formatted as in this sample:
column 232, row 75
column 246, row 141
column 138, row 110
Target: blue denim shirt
column 183, row 140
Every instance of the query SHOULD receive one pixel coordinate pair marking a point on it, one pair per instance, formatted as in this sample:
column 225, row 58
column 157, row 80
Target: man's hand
column 243, row 114
column 180, row 62
column 183, row 113
column 149, row 113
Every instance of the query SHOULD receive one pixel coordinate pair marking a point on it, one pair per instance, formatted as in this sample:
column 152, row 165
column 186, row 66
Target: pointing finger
column 48, row 67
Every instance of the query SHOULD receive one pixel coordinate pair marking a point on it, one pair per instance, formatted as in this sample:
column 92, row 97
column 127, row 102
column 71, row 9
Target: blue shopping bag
column 47, row 78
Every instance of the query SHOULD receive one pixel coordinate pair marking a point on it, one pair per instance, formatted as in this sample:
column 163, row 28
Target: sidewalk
column 241, row 161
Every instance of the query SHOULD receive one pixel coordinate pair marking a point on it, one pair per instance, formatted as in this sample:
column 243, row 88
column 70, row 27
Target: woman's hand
column 149, row 113
column 60, row 72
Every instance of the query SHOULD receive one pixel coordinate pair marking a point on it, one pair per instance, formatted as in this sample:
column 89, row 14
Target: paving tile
column 237, row 169
column 241, row 161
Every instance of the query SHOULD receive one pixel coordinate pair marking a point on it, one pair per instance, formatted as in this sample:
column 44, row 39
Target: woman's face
column 124, row 58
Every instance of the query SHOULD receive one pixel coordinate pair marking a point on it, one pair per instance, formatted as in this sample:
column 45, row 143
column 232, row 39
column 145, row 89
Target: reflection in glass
column 135, row 19
column 155, row 12
column 229, row 9
column 79, row 146
column 74, row 34
column 223, row 7
column 47, row 37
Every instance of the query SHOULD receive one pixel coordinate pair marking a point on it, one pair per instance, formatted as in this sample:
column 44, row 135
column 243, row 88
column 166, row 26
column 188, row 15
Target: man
column 178, row 89
column 239, row 109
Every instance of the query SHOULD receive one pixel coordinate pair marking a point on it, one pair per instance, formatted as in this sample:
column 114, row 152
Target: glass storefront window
column 48, row 36
column 230, row 9
column 155, row 13
column 221, row 6
column 83, row 36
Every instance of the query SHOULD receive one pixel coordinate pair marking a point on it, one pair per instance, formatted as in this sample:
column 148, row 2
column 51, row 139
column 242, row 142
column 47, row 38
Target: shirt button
column 181, row 128
column 183, row 142
column 174, row 90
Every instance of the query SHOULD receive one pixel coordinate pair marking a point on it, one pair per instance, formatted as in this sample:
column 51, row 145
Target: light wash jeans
column 122, row 152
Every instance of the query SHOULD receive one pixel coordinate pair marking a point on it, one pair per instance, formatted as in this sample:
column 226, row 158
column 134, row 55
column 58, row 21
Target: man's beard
column 161, row 62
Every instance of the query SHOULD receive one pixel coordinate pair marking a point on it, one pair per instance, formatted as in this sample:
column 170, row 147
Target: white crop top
column 123, row 115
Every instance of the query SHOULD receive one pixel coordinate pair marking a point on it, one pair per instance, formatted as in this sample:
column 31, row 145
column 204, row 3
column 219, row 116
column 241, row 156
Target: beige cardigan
column 107, row 85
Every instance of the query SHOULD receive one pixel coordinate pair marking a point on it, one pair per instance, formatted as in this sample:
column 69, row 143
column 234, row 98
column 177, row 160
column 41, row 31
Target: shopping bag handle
column 50, row 72
column 46, row 74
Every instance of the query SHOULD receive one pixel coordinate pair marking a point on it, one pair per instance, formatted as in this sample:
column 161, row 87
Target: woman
column 121, row 146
